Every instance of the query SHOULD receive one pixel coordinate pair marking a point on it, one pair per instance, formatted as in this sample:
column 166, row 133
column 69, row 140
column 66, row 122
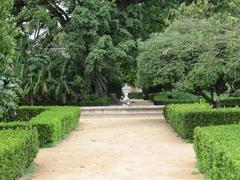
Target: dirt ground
column 123, row 147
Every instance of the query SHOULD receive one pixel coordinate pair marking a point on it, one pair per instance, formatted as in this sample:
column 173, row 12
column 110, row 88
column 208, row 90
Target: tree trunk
column 31, row 98
column 210, row 100
column 218, row 104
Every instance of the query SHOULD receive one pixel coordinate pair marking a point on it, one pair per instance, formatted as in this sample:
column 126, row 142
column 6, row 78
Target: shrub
column 135, row 95
column 231, row 102
column 25, row 113
column 173, row 97
column 186, row 117
column 53, row 124
column 18, row 149
column 159, row 101
column 96, row 101
column 218, row 151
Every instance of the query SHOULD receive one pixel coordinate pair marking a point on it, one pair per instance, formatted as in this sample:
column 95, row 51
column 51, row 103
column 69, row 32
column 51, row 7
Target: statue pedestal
column 126, row 89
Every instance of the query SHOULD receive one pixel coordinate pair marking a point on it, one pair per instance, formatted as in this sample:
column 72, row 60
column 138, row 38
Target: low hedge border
column 185, row 118
column 218, row 151
column 25, row 114
column 135, row 95
column 173, row 101
column 101, row 101
column 18, row 148
column 53, row 124
column 231, row 102
column 165, row 98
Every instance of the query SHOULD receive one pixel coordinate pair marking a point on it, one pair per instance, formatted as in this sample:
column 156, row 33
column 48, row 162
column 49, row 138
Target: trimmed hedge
column 218, row 151
column 135, row 95
column 159, row 101
column 100, row 101
column 53, row 124
column 231, row 102
column 18, row 148
column 25, row 113
column 186, row 117
column 174, row 97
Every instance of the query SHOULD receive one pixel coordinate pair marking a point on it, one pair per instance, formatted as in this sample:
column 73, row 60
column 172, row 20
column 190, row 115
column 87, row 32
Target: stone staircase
column 137, row 107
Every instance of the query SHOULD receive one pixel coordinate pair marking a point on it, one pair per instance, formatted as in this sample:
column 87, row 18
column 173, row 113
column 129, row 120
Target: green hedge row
column 100, row 101
column 159, row 101
column 218, row 151
column 18, row 148
column 184, row 118
column 25, row 113
column 231, row 102
column 52, row 124
column 135, row 95
column 174, row 97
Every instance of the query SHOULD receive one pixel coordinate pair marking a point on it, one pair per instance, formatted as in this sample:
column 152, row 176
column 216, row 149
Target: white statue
column 126, row 89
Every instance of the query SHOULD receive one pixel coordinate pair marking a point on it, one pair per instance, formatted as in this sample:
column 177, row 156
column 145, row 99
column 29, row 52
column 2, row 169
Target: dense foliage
column 97, row 42
column 69, row 49
column 217, row 150
column 198, row 53
column 7, row 86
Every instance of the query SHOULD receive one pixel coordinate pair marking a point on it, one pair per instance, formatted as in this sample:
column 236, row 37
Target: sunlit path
column 118, row 147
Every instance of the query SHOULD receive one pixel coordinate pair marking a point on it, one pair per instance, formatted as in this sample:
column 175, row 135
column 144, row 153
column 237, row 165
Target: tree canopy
column 196, row 53
column 68, row 49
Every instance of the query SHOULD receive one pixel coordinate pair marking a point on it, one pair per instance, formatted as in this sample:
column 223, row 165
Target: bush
column 25, row 113
column 186, row 117
column 17, row 152
column 159, row 101
column 218, row 151
column 53, row 124
column 96, row 101
column 231, row 102
column 173, row 97
column 135, row 95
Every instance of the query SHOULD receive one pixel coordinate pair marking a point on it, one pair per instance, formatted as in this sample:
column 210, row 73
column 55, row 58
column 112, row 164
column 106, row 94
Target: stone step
column 122, row 110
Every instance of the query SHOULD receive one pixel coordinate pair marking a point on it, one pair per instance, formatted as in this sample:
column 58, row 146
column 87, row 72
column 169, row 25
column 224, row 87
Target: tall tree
column 93, row 41
column 197, row 54
column 97, row 42
column 7, row 43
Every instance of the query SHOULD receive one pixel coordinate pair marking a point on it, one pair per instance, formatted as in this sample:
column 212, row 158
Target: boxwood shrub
column 52, row 124
column 135, row 95
column 18, row 148
column 231, row 102
column 25, row 113
column 174, row 97
column 218, row 151
column 96, row 101
column 184, row 118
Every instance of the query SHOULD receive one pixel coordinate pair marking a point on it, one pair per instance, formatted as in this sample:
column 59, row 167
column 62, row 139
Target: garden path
column 118, row 147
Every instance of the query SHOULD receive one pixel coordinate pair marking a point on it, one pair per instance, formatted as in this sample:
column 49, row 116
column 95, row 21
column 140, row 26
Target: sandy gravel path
column 124, row 147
